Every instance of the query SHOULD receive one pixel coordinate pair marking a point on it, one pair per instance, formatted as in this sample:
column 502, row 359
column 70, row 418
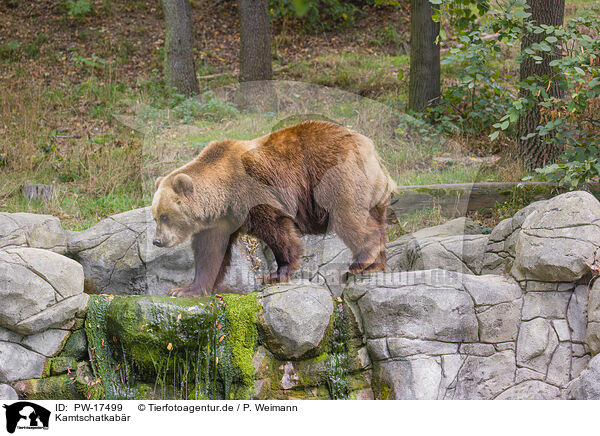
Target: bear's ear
column 183, row 184
column 157, row 181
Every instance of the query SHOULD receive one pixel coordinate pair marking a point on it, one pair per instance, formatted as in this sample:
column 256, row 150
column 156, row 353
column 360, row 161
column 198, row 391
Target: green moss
column 60, row 365
column 185, row 347
column 338, row 359
column 106, row 369
column 149, row 329
column 60, row 387
column 241, row 317
column 76, row 346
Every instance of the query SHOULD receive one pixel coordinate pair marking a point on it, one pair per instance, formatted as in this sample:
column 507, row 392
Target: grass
column 364, row 74
column 79, row 137
column 101, row 142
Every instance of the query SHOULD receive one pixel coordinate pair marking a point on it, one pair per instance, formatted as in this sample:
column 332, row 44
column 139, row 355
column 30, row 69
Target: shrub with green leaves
column 313, row 14
column 572, row 122
column 78, row 8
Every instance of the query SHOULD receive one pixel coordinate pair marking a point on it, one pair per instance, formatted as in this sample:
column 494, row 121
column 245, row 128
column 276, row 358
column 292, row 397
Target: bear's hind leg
column 364, row 234
column 282, row 236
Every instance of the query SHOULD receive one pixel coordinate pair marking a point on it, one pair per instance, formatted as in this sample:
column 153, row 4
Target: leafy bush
column 313, row 14
column 78, row 8
column 570, row 123
column 479, row 96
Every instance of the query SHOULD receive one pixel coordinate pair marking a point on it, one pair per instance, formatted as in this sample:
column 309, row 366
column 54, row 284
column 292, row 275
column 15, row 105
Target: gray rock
column 500, row 250
column 18, row 363
column 32, row 230
column 577, row 313
column 378, row 349
column 484, row 377
column 587, row 385
column 476, row 349
column 8, row 393
column 402, row 347
column 40, row 290
column 491, row 289
column 325, row 260
column 405, row 305
column 500, row 323
column 410, row 379
column 561, row 327
column 118, row 256
column 462, row 253
column 559, row 239
column 455, row 227
column 545, row 304
column 592, row 335
column 530, row 390
column 47, row 343
column 559, row 369
column 535, row 345
column 294, row 318
column 502, row 231
column 578, row 364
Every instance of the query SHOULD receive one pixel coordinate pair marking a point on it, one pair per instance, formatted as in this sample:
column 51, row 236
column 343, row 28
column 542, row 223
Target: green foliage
column 10, row 51
column 78, row 8
column 572, row 122
column 483, row 101
column 319, row 15
column 479, row 96
column 32, row 51
column 570, row 174
column 338, row 356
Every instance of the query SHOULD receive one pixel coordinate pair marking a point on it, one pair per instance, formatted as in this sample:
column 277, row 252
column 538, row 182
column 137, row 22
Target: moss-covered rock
column 149, row 328
column 187, row 348
column 74, row 386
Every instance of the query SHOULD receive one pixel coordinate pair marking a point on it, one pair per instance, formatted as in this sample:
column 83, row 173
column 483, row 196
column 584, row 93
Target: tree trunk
column 534, row 153
column 255, row 41
column 424, row 80
column 256, row 90
column 179, row 68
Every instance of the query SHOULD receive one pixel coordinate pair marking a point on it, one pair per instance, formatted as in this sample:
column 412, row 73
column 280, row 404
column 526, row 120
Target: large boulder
column 40, row 290
column 295, row 318
column 559, row 239
column 32, row 230
column 146, row 326
column 587, row 385
column 118, row 257
column 500, row 250
column 428, row 305
column 456, row 245
column 42, row 294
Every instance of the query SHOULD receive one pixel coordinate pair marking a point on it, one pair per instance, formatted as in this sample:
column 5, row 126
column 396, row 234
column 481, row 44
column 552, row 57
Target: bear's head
column 170, row 210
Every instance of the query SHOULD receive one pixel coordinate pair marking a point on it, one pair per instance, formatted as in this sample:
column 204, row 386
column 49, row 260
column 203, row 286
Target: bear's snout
column 158, row 242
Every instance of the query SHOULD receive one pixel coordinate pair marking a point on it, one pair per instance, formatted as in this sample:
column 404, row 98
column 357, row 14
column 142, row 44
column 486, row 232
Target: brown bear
column 309, row 178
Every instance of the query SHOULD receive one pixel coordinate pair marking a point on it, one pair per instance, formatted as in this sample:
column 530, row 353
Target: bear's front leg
column 212, row 254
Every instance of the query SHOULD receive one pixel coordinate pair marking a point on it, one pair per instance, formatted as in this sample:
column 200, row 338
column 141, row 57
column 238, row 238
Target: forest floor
column 73, row 89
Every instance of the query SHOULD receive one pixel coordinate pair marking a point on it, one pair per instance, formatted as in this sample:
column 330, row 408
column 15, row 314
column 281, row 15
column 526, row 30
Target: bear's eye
column 164, row 218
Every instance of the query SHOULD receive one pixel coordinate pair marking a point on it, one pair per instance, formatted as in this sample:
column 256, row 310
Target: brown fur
column 305, row 179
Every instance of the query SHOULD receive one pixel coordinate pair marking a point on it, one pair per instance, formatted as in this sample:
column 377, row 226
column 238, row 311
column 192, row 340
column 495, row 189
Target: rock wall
column 458, row 315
